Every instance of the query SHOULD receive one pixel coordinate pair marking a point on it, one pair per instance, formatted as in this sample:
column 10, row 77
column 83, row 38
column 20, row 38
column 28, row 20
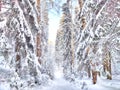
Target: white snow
column 111, row 84
column 61, row 84
column 3, row 23
column 4, row 86
column 118, row 24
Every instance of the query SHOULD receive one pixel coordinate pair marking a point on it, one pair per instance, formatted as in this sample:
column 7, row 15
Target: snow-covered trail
column 113, row 84
column 99, row 86
column 61, row 84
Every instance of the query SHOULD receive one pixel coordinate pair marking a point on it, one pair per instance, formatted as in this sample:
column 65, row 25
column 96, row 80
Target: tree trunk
column 38, row 37
column 107, row 65
column 18, row 57
column 0, row 5
column 94, row 76
column 80, row 4
column 110, row 69
column 83, row 22
column 39, row 12
column 109, row 76
column 38, row 45
column 89, row 70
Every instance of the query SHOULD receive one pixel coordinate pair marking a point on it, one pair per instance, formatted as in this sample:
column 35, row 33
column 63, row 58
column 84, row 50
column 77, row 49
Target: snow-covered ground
column 4, row 86
column 59, row 83
column 113, row 84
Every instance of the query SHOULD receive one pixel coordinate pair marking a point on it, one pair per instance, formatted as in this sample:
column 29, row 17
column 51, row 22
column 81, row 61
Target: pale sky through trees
column 53, row 26
column 54, row 21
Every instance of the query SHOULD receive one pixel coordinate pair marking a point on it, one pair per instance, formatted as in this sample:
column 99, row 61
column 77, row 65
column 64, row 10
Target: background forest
column 86, row 45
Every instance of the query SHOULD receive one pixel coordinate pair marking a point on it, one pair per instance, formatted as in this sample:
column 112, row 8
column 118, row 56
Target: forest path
column 61, row 84
column 113, row 84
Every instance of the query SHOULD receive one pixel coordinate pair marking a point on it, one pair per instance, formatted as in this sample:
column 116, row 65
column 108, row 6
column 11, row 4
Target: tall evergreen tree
column 28, row 37
column 67, row 30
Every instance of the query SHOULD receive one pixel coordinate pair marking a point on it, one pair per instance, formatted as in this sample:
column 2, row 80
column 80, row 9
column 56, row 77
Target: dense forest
column 86, row 51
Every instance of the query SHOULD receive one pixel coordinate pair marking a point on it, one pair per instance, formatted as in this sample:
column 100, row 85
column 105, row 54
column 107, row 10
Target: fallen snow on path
column 113, row 84
column 58, row 72
column 60, row 83
column 90, row 86
column 4, row 86
column 98, row 87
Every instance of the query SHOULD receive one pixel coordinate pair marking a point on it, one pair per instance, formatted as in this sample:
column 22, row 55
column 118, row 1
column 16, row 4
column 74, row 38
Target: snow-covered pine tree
column 59, row 47
column 22, row 25
column 88, row 41
column 82, row 38
column 67, row 37
column 47, row 62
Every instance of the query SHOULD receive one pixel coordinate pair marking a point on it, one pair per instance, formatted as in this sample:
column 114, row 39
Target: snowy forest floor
column 59, row 83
